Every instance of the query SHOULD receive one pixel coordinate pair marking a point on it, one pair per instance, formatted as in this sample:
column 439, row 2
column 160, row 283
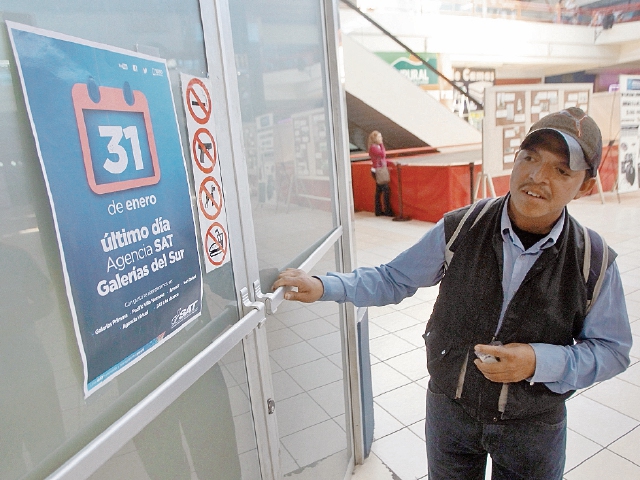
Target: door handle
column 270, row 300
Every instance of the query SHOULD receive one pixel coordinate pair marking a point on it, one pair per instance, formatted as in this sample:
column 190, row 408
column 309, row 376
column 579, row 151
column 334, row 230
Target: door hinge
column 246, row 301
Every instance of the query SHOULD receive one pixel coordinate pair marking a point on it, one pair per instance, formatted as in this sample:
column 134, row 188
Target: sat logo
column 116, row 137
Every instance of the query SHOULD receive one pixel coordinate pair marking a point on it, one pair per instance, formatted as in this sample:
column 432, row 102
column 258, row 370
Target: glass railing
column 566, row 11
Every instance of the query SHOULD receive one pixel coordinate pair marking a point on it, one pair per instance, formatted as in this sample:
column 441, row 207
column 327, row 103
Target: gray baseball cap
column 580, row 133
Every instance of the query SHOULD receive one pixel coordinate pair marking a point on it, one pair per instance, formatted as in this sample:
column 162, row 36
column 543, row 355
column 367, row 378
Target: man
column 514, row 295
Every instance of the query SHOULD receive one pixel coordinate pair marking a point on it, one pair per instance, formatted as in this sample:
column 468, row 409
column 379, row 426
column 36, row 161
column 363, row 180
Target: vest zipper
column 502, row 400
column 504, row 392
column 463, row 373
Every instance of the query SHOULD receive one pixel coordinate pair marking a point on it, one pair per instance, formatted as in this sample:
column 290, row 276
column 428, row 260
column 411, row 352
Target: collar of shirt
column 508, row 236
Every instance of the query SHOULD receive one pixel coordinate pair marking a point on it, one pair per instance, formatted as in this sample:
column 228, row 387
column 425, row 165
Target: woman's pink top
column 378, row 155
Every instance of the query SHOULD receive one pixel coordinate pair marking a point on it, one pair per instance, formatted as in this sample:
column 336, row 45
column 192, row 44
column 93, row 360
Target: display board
column 509, row 112
column 629, row 143
column 311, row 150
column 604, row 108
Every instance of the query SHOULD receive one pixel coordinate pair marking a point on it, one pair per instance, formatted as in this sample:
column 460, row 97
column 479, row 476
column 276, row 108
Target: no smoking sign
column 198, row 101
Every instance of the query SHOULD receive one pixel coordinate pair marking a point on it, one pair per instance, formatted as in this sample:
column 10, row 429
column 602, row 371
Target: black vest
column 549, row 307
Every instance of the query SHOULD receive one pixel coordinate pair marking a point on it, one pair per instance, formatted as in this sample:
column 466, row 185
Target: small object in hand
column 485, row 357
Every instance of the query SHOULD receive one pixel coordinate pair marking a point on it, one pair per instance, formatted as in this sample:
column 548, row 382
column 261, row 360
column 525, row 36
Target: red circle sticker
column 216, row 244
column 210, row 198
column 204, row 150
column 198, row 101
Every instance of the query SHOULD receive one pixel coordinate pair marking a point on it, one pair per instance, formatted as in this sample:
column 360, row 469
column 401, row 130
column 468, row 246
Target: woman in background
column 380, row 173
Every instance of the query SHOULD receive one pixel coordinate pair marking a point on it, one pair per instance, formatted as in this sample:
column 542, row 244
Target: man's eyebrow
column 537, row 148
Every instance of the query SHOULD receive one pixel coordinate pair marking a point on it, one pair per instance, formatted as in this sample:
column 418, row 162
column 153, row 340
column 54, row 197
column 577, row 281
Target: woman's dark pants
column 384, row 192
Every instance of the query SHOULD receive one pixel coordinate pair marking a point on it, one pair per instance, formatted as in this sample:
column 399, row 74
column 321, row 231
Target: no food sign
column 216, row 244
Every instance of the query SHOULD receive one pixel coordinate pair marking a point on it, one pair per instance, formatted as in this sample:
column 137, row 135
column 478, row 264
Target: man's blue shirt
column 601, row 350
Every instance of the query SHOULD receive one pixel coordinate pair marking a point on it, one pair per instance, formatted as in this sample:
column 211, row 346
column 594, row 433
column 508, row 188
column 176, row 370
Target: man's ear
column 586, row 187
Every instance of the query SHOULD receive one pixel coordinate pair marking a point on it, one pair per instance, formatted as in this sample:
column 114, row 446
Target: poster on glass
column 107, row 137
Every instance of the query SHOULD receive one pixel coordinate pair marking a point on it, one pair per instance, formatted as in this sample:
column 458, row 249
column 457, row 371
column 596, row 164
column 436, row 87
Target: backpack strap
column 474, row 213
column 595, row 264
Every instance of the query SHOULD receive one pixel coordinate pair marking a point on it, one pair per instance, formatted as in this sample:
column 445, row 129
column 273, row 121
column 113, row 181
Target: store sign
column 468, row 75
column 473, row 81
column 411, row 67
column 107, row 137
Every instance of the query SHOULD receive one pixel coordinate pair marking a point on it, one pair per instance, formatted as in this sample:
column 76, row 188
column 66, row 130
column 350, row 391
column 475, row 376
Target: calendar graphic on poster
column 116, row 137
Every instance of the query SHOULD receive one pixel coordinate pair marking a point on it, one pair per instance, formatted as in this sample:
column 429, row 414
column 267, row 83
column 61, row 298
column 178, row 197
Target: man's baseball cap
column 580, row 133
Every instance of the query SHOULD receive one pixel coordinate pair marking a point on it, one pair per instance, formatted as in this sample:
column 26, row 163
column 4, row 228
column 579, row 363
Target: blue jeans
column 458, row 444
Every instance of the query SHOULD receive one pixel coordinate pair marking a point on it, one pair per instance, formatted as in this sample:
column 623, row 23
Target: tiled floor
column 306, row 361
column 604, row 420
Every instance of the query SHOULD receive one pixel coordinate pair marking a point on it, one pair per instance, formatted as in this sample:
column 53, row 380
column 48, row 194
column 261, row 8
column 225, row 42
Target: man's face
column 541, row 185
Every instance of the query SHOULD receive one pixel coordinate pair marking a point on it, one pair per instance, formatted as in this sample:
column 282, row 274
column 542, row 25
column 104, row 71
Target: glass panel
column 280, row 56
column 306, row 353
column 45, row 418
column 208, row 432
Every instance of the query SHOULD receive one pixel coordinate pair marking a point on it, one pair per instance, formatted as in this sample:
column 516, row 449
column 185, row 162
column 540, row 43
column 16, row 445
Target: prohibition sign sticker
column 204, row 150
column 198, row 101
column 216, row 243
column 210, row 198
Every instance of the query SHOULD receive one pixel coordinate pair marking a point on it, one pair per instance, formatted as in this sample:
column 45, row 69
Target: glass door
column 237, row 385
column 291, row 145
column 167, row 395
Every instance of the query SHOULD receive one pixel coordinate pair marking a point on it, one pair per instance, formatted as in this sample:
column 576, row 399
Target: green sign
column 411, row 67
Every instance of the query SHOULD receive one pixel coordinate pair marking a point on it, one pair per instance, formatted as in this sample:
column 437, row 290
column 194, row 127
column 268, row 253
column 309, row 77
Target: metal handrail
column 422, row 60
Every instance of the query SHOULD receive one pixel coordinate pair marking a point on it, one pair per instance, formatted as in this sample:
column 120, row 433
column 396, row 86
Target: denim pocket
column 551, row 424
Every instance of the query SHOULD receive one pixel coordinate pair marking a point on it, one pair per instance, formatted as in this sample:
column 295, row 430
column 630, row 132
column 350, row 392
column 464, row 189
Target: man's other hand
column 309, row 289
column 517, row 361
